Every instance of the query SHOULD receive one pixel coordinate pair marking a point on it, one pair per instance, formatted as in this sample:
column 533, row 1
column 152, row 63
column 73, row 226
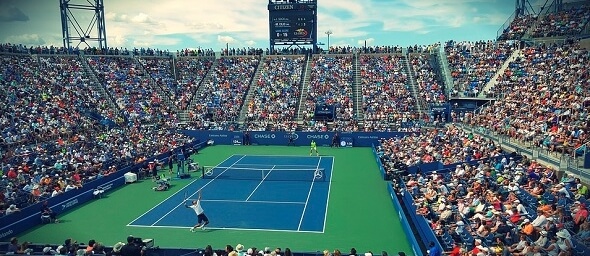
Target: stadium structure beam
column 525, row 7
column 73, row 33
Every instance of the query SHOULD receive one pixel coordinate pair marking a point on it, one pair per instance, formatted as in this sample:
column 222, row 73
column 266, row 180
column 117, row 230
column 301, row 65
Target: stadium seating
column 533, row 81
column 331, row 83
column 473, row 64
column 130, row 87
column 386, row 97
column 220, row 98
column 276, row 94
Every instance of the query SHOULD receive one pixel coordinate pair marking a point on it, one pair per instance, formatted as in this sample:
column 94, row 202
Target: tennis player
column 202, row 219
column 313, row 148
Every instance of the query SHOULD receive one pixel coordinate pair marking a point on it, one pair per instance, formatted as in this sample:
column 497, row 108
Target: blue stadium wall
column 347, row 139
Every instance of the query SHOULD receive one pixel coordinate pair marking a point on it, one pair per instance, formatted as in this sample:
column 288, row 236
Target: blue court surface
column 253, row 192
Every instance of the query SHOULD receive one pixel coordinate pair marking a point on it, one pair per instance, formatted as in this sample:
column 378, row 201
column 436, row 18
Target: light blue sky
column 176, row 24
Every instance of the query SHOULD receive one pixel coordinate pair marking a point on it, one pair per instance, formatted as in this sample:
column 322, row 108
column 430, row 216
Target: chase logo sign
column 318, row 136
column 265, row 136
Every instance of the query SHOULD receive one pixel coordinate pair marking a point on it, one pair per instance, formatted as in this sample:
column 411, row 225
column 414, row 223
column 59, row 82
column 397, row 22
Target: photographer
column 131, row 248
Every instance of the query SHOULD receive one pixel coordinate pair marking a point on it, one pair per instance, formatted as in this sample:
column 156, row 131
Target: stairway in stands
column 249, row 94
column 96, row 85
column 515, row 54
column 164, row 94
column 184, row 115
column 304, row 88
column 357, row 95
column 413, row 85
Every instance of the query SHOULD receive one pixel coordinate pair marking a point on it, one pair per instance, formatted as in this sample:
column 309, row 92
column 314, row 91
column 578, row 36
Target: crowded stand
column 564, row 23
column 502, row 206
column 195, row 52
column 544, row 99
column 386, row 97
column 34, row 173
column 250, row 51
column 130, row 87
column 46, row 98
column 517, row 28
column 220, row 97
column 331, row 83
column 162, row 72
column 190, row 73
column 492, row 203
column 446, row 145
column 473, row 64
column 426, row 77
column 49, row 144
column 276, row 94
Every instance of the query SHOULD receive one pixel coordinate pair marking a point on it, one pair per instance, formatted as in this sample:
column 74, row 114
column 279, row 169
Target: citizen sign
column 284, row 7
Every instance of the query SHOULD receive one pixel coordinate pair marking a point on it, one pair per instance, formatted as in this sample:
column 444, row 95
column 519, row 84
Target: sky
column 179, row 24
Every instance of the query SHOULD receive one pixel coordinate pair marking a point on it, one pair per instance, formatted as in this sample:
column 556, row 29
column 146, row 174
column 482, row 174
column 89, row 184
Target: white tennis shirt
column 197, row 207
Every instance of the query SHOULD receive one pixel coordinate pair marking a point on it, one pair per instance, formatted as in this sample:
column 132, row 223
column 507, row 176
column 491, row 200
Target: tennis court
column 355, row 208
column 282, row 193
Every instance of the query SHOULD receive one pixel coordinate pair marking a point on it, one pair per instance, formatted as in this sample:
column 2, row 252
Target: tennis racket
column 209, row 171
column 185, row 196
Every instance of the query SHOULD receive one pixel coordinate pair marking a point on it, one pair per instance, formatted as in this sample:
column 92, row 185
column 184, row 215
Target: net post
column 202, row 172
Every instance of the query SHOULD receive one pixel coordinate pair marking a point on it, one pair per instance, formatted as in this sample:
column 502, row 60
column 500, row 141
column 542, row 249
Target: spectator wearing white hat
column 564, row 242
column 240, row 250
column 542, row 240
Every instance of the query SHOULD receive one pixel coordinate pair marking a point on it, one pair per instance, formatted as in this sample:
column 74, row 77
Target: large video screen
column 292, row 26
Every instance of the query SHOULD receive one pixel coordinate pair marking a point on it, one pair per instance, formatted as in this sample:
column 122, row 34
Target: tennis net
column 267, row 174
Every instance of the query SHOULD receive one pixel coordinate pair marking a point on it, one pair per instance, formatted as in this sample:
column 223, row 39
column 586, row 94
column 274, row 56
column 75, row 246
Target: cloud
column 12, row 14
column 26, row 39
column 226, row 39
column 143, row 18
column 368, row 41
column 250, row 43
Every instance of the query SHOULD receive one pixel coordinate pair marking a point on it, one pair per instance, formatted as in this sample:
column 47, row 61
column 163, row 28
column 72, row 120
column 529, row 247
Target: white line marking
column 328, row 197
column 260, row 183
column 240, row 229
column 195, row 192
column 180, row 190
column 242, row 201
column 290, row 156
column 308, row 195
column 278, row 165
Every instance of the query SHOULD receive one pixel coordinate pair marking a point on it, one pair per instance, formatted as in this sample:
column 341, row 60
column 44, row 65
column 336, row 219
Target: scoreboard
column 293, row 23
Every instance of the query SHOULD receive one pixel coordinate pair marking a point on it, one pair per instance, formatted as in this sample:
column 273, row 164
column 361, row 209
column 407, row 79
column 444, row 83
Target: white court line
column 328, row 197
column 196, row 192
column 171, row 196
column 278, row 165
column 239, row 229
column 260, row 183
column 242, row 201
column 308, row 195
column 290, row 156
